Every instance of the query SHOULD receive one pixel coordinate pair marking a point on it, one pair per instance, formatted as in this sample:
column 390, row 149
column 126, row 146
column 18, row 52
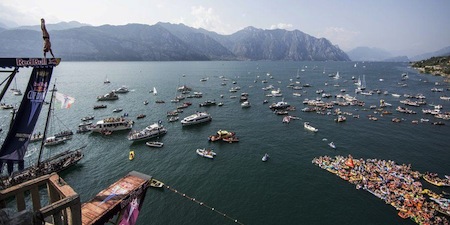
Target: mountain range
column 166, row 42
column 377, row 54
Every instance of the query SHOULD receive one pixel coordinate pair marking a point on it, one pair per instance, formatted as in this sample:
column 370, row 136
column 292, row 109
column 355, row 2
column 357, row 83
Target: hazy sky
column 403, row 27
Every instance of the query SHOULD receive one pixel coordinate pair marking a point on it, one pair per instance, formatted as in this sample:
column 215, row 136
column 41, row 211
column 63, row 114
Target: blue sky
column 403, row 27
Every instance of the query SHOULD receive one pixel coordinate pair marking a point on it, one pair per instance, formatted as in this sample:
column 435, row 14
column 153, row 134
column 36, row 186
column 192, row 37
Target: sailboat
column 106, row 81
column 154, row 91
column 15, row 90
column 15, row 145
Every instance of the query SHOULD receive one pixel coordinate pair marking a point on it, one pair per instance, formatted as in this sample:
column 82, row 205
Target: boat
column 15, row 144
column 340, row 118
column 131, row 155
column 6, row 106
column 265, row 157
column 207, row 153
column 279, row 105
column 116, row 110
column 332, row 145
column 111, row 124
column 122, row 90
column 145, row 102
column 221, row 134
column 154, row 91
column 309, row 127
column 155, row 144
column 87, row 118
column 245, row 104
column 230, row 139
column 196, row 118
column 151, row 131
column 15, row 90
column 436, row 180
column 36, row 137
column 85, row 124
column 156, row 183
column 108, row 97
column 140, row 116
column 100, row 106
column 173, row 118
column 52, row 141
column 207, row 103
column 106, row 81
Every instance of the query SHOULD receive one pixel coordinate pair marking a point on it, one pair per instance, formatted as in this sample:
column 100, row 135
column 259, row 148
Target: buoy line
column 203, row 204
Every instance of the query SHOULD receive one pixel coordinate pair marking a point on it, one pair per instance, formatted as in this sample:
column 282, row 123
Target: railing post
column 35, row 198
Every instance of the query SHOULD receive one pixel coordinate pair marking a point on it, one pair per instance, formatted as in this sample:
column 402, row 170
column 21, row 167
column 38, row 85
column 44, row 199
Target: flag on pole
column 65, row 100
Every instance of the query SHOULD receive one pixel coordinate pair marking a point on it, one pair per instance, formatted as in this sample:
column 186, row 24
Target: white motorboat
column 279, row 105
column 151, row 131
column 245, row 104
column 111, row 124
column 207, row 153
column 154, row 144
column 332, row 145
column 199, row 117
column 108, row 97
column 122, row 90
column 87, row 118
column 117, row 110
column 309, row 127
column 265, row 157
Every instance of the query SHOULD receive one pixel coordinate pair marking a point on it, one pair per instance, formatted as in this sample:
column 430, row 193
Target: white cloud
column 207, row 19
column 286, row 26
column 340, row 36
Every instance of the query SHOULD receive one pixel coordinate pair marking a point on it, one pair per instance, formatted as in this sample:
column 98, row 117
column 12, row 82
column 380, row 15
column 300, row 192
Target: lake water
column 287, row 189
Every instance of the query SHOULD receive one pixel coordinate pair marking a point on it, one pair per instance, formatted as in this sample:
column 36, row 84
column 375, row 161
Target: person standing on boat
column 46, row 37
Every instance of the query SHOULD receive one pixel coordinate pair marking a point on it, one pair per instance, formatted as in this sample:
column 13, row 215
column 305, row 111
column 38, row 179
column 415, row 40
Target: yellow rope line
column 204, row 205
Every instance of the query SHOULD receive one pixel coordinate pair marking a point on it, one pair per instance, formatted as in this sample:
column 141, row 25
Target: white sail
column 154, row 91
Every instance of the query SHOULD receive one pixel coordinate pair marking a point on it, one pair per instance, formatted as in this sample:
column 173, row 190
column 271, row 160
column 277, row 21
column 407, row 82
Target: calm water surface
column 288, row 189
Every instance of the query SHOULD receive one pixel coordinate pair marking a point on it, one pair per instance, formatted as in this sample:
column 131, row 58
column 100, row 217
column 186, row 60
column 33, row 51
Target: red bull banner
column 16, row 142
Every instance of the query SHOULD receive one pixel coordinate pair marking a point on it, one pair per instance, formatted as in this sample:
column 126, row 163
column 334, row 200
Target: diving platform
column 29, row 62
column 114, row 200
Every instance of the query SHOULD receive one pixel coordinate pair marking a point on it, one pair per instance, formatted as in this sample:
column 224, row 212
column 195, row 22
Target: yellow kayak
column 131, row 156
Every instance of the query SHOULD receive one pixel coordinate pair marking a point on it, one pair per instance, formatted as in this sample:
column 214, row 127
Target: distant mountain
column 403, row 58
column 278, row 44
column 442, row 52
column 368, row 54
column 57, row 26
column 165, row 42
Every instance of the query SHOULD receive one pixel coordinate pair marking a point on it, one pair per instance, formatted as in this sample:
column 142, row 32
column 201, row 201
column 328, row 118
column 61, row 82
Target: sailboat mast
column 8, row 83
column 46, row 124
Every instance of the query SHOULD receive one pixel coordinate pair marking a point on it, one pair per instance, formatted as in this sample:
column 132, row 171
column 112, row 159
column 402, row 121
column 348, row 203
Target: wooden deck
column 110, row 201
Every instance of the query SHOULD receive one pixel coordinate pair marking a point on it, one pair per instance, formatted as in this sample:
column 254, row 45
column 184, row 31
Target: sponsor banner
column 16, row 142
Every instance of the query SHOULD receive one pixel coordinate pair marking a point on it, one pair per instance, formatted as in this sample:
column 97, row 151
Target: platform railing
column 64, row 206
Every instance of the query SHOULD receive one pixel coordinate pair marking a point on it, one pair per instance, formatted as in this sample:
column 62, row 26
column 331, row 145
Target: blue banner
column 16, row 142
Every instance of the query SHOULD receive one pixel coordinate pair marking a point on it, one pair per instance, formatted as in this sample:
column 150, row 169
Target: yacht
column 108, row 97
column 198, row 117
column 111, row 124
column 279, row 105
column 122, row 89
column 309, row 127
column 151, row 131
